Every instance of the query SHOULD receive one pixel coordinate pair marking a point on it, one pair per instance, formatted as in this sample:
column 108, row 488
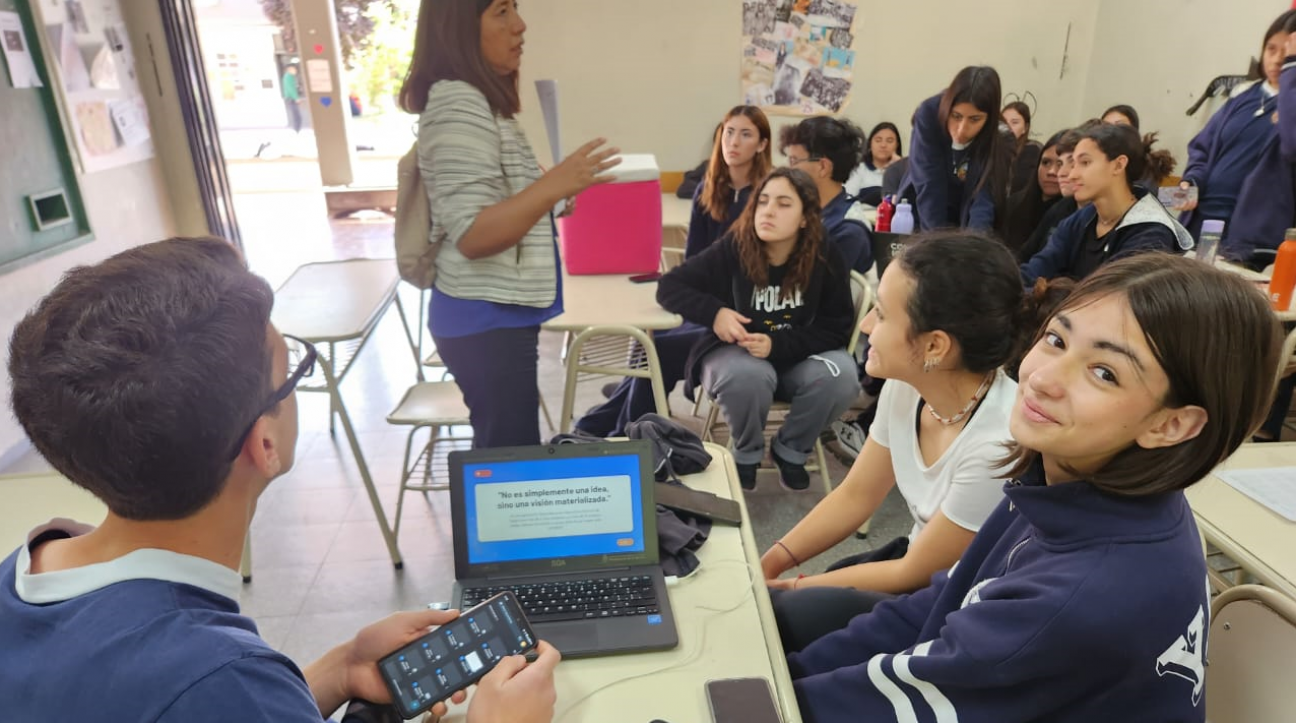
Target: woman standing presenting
column 497, row 269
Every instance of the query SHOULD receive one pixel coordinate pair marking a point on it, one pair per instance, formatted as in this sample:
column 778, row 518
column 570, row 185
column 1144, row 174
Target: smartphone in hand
column 645, row 278
column 456, row 655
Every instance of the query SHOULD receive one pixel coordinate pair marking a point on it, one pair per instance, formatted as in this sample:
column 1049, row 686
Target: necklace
column 1264, row 104
column 976, row 399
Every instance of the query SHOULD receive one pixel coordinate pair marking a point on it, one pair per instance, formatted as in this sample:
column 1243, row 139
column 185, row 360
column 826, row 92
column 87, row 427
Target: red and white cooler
column 617, row 226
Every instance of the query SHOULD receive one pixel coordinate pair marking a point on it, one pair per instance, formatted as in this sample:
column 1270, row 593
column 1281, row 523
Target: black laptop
column 572, row 530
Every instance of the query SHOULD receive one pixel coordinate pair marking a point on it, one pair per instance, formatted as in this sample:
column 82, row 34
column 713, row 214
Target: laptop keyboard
column 610, row 597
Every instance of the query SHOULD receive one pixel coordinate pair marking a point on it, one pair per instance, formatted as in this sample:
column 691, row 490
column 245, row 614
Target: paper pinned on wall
column 131, row 120
column 1274, row 488
column 796, row 54
column 319, row 76
column 22, row 71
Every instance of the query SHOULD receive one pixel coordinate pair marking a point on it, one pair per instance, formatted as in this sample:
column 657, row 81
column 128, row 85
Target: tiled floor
column 320, row 569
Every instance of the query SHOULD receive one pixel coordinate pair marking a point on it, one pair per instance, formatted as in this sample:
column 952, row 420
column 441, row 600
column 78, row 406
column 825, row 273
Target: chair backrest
column 1252, row 642
column 1288, row 356
column 862, row 295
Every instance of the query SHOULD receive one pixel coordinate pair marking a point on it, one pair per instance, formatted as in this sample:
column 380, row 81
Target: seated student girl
column 1026, row 153
column 1121, row 115
column 938, row 434
column 1227, row 150
column 826, row 149
column 777, row 300
column 1084, row 595
column 1122, row 218
column 1026, row 208
column 740, row 156
column 958, row 174
column 1266, row 204
column 884, row 148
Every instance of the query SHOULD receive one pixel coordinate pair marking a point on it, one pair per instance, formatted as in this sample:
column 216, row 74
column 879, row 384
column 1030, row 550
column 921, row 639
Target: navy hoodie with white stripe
column 1070, row 605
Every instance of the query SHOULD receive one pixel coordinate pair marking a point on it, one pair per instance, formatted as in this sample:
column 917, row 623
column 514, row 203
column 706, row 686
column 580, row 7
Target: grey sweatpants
column 820, row 389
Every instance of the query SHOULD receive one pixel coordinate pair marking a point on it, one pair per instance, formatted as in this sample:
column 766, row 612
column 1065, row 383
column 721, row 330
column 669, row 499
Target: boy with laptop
column 156, row 381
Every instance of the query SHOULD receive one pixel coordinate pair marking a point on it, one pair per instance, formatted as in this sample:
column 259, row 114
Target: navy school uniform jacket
column 1225, row 152
column 1266, row 206
column 844, row 225
column 1147, row 226
column 703, row 230
column 703, row 285
column 1070, row 606
column 931, row 160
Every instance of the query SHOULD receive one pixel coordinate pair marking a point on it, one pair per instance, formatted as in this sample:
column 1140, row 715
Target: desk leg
column 415, row 346
column 332, row 386
column 335, row 397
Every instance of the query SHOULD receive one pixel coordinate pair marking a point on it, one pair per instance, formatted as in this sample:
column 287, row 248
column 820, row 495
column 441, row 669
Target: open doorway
column 258, row 85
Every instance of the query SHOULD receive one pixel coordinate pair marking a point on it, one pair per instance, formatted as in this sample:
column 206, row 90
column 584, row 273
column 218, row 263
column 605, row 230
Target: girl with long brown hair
column 740, row 156
column 777, row 301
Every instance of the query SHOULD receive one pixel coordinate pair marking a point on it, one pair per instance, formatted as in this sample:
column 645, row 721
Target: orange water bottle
column 1284, row 273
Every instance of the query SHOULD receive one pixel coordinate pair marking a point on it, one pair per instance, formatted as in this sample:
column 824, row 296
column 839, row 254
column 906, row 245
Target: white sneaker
column 850, row 436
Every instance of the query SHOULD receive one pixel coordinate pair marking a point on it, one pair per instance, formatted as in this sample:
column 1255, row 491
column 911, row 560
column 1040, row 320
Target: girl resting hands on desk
column 777, row 300
column 1084, row 596
column 950, row 314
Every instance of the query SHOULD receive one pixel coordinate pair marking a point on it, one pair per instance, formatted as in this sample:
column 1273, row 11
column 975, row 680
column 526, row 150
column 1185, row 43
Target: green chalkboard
column 34, row 166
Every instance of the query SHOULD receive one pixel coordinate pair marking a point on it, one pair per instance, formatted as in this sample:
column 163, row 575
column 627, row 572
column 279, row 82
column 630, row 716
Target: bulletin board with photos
column 92, row 68
column 41, row 210
column 797, row 55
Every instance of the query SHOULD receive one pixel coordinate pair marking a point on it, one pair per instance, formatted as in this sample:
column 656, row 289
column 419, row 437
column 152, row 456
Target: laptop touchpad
column 573, row 637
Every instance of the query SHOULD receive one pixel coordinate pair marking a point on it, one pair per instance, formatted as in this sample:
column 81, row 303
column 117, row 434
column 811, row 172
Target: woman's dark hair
column 1144, row 162
column 991, row 326
column 135, row 377
column 979, row 85
column 1197, row 320
column 1024, row 111
column 868, row 144
column 1125, row 110
column 717, row 187
column 836, row 139
column 1027, row 206
column 1285, row 23
column 810, row 241
column 1069, row 138
column 447, row 46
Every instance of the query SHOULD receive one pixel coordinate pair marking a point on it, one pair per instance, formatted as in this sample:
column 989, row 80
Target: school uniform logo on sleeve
column 1186, row 656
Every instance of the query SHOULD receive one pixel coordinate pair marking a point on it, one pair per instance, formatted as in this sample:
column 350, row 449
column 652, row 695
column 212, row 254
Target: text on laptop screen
column 539, row 509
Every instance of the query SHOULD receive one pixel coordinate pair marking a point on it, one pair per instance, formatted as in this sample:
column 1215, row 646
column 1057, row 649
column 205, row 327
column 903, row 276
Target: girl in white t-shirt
column 950, row 314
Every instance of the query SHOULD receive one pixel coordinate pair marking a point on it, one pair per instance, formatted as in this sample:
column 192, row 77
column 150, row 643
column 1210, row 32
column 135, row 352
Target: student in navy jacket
column 776, row 297
column 1266, row 206
column 827, row 149
column 1084, row 596
column 741, row 156
column 1225, row 152
column 958, row 173
column 1121, row 218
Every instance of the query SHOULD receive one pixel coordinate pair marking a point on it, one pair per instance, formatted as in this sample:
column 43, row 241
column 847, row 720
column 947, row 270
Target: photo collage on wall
column 797, row 55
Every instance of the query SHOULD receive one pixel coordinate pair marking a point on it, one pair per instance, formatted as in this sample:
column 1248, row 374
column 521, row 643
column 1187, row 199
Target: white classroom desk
column 336, row 306
column 726, row 630
column 1260, row 540
column 31, row 500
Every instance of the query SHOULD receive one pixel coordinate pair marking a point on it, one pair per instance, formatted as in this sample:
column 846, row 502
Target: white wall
column 1159, row 56
column 657, row 76
column 127, row 206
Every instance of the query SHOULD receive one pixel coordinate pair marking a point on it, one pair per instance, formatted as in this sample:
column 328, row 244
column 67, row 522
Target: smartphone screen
column 741, row 700
column 456, row 655
column 644, row 278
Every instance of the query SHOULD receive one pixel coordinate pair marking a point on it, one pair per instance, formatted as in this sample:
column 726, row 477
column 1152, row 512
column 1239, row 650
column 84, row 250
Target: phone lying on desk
column 644, row 278
column 742, row 700
column 457, row 654
column 696, row 502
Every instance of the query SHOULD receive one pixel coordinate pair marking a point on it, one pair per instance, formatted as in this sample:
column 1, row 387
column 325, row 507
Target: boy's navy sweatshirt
column 1146, row 226
column 1070, row 606
column 942, row 200
column 816, row 320
column 703, row 230
column 1266, row 207
column 1225, row 152
column 843, row 222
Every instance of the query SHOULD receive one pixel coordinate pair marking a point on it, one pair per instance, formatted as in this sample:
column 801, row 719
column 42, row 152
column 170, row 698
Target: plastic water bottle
column 1284, row 273
column 884, row 212
column 1209, row 242
column 903, row 222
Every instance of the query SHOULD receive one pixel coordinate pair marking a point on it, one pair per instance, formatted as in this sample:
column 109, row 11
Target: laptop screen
column 535, row 509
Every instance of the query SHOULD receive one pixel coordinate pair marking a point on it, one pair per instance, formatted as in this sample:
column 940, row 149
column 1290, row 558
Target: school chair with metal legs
column 438, row 407
column 1251, row 645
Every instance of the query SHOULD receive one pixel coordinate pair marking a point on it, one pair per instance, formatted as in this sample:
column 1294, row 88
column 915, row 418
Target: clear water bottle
column 903, row 221
column 1209, row 242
